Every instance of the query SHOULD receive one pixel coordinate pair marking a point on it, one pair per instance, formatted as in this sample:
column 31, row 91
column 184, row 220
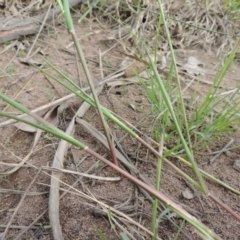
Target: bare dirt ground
column 81, row 218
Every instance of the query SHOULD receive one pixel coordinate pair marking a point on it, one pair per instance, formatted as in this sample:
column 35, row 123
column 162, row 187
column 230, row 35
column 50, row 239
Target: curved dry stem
column 55, row 176
column 54, row 189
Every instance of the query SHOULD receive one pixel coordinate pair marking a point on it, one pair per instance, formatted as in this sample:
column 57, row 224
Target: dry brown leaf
column 131, row 80
column 25, row 127
column 132, row 106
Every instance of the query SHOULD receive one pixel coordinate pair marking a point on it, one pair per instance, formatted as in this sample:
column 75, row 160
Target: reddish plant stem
column 214, row 198
column 152, row 191
column 224, row 206
column 139, row 182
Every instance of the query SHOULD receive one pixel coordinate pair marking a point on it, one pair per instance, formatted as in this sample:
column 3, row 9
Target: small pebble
column 228, row 178
column 236, row 165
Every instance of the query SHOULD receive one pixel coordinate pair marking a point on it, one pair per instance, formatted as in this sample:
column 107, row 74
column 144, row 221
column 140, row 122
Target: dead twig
column 40, row 30
column 3, row 190
column 24, row 227
column 112, row 179
column 225, row 148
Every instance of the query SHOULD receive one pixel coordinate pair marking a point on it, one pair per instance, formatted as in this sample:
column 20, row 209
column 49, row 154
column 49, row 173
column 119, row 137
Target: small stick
column 224, row 206
column 82, row 174
column 24, row 227
column 212, row 160
column 40, row 30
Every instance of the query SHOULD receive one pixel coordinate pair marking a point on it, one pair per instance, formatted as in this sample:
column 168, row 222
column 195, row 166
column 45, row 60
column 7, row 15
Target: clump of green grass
column 208, row 117
column 233, row 9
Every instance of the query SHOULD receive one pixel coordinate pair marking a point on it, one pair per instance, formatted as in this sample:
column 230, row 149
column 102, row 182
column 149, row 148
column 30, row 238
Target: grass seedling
column 100, row 234
column 215, row 115
column 179, row 230
column 233, row 7
column 123, row 236
column 158, row 180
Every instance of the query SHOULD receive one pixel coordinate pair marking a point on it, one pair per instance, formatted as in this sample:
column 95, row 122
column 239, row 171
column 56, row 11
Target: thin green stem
column 170, row 107
column 71, row 30
column 157, row 187
column 174, row 62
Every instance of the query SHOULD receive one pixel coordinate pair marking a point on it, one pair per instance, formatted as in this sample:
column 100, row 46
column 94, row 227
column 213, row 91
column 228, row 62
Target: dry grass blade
column 110, row 179
column 22, row 227
column 212, row 160
column 52, row 117
column 25, row 159
column 40, row 30
column 19, row 236
column 2, row 190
